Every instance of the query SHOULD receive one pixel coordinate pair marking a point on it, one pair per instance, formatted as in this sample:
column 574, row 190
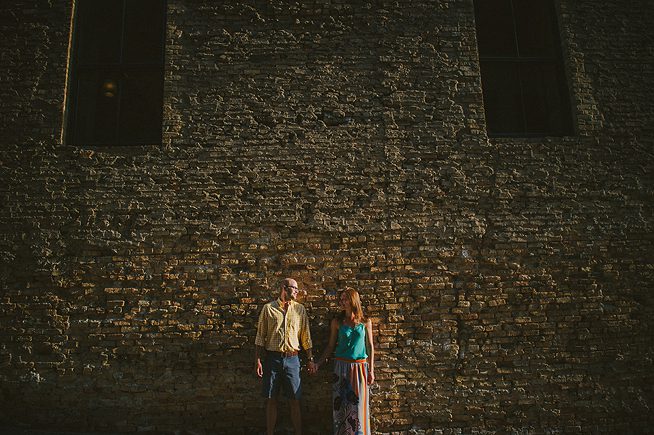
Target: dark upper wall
column 508, row 279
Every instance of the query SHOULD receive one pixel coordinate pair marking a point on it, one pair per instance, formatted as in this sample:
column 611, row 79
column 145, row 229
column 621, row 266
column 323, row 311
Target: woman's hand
column 371, row 377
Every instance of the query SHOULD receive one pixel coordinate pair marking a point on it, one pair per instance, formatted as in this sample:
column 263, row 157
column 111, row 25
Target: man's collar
column 280, row 303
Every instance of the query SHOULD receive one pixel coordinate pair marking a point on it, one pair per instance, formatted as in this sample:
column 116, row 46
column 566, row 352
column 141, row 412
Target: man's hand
column 312, row 368
column 258, row 367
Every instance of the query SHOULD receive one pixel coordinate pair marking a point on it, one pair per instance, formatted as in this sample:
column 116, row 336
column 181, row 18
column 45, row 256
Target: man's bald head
column 289, row 290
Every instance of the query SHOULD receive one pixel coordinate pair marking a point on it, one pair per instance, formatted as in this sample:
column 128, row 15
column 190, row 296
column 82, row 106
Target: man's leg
column 293, row 387
column 272, row 369
column 296, row 416
column 271, row 415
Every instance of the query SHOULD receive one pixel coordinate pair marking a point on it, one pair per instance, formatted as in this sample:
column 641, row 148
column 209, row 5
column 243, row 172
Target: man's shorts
column 281, row 372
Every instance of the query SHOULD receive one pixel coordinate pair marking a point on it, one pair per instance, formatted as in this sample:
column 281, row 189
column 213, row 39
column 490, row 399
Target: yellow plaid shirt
column 282, row 332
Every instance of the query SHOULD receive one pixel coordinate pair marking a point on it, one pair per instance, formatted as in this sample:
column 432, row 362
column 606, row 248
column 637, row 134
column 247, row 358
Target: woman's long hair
column 355, row 302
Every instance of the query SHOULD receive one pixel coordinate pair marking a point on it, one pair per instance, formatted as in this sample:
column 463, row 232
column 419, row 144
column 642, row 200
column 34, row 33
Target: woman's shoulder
column 339, row 317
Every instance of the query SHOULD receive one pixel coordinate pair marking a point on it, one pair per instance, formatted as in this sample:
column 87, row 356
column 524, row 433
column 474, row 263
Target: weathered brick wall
column 510, row 281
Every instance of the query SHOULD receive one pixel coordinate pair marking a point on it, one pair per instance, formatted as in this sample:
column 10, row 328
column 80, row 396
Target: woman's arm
column 333, row 335
column 371, row 352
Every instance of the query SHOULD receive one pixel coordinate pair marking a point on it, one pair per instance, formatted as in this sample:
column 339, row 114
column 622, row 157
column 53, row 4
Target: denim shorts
column 281, row 372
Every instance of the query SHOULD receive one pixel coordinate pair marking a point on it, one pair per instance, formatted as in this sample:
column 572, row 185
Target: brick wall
column 510, row 281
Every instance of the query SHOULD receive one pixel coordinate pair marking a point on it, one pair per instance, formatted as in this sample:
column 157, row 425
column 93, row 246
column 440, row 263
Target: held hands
column 312, row 368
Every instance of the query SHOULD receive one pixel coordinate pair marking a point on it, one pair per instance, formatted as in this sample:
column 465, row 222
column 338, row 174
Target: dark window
column 116, row 85
column 522, row 74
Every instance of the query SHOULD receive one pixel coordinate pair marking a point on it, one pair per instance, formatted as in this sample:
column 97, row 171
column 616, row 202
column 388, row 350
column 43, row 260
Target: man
column 283, row 325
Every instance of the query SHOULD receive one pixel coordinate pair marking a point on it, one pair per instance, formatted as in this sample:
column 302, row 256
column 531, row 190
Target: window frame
column 77, row 69
column 555, row 60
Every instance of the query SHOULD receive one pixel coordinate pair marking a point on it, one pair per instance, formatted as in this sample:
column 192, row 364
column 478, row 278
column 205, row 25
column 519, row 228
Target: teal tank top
column 351, row 342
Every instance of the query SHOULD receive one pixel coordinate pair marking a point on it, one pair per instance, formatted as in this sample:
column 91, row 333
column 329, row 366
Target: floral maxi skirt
column 351, row 404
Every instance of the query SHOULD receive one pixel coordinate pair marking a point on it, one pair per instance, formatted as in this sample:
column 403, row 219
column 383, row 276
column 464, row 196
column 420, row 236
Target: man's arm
column 305, row 333
column 259, row 352
column 305, row 339
column 260, row 342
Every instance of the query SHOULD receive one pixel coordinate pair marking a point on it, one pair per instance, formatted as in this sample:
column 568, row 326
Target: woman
column 354, row 366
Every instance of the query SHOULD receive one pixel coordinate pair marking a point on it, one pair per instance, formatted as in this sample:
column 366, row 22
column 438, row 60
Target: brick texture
column 343, row 144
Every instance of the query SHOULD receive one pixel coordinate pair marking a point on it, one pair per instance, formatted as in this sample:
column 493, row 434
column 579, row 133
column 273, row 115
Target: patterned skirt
column 351, row 403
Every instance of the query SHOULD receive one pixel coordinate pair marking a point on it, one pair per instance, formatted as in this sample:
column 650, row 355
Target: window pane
column 141, row 107
column 546, row 106
column 98, row 27
column 144, row 30
column 111, row 100
column 495, row 31
column 535, row 27
column 502, row 99
column 97, row 107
